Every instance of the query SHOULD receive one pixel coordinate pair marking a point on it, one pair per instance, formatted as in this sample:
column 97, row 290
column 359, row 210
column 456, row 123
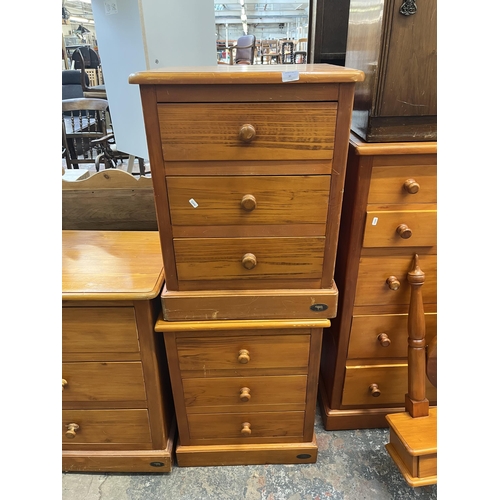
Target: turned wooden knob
column 71, row 432
column 248, row 202
column 384, row 340
column 64, row 383
column 245, row 394
column 245, row 429
column 243, row 356
column 393, row 283
column 411, row 186
column 404, row 231
column 247, row 133
column 249, row 261
column 375, row 391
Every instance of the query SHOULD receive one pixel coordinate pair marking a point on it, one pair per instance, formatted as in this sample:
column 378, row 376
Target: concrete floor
column 351, row 465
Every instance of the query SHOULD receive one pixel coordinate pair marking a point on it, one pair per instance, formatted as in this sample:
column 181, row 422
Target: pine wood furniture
column 244, row 390
column 248, row 171
column 396, row 48
column 117, row 414
column 413, row 434
column 388, row 215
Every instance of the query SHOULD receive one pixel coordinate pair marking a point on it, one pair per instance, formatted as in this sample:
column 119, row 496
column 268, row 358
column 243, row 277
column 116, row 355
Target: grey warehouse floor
column 351, row 465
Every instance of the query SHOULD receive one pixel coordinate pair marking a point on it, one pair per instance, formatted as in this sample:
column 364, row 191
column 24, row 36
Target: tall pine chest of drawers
column 248, row 166
column 389, row 215
column 117, row 411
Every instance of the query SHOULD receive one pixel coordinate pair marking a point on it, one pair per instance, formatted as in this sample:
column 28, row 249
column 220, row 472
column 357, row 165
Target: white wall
column 133, row 35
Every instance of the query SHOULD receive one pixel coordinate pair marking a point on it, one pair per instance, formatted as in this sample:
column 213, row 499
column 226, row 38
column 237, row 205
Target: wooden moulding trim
column 363, row 148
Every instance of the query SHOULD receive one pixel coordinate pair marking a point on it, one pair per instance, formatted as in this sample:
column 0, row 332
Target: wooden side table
column 117, row 413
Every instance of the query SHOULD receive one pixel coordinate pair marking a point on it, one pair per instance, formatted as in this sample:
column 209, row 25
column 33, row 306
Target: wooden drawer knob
column 247, row 133
column 412, row 186
column 243, row 356
column 248, row 202
column 249, row 261
column 384, row 340
column 245, row 394
column 404, row 231
column 64, row 383
column 393, row 283
column 245, row 429
column 71, row 432
column 374, row 390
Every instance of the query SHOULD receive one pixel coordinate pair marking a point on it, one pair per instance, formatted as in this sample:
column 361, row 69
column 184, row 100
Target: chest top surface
column 111, row 265
column 249, row 74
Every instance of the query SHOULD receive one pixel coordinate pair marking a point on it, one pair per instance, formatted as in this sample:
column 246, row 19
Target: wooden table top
column 111, row 265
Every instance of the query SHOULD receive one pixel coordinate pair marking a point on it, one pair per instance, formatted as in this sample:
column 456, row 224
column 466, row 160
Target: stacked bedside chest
column 248, row 166
column 117, row 405
column 388, row 216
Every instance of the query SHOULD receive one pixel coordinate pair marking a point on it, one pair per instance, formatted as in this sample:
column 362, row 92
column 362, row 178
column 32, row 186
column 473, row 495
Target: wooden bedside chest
column 245, row 391
column 248, row 171
column 389, row 215
column 117, row 409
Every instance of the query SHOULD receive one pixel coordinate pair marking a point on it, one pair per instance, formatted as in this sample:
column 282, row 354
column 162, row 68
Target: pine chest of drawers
column 248, row 171
column 388, row 216
column 117, row 413
column 244, row 391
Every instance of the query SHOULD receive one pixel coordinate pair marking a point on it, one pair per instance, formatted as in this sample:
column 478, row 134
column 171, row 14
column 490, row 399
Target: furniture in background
column 300, row 51
column 117, row 413
column 413, row 434
column 287, row 52
column 388, row 215
column 90, row 71
column 269, row 53
column 241, row 53
column 71, row 84
column 86, row 133
column 328, row 32
column 248, row 173
column 109, row 200
column 398, row 53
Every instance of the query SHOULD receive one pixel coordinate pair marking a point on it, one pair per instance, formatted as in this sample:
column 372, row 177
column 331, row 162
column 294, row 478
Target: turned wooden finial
column 416, row 404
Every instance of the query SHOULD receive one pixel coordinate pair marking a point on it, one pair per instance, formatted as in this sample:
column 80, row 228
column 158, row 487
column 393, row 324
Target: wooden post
column 416, row 404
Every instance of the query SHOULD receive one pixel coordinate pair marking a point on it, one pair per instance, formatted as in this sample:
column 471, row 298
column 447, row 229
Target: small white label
column 110, row 7
column 193, row 203
column 290, row 76
column 374, row 221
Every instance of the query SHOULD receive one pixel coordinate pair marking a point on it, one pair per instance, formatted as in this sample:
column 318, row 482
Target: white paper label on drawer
column 193, row 202
column 290, row 76
column 374, row 221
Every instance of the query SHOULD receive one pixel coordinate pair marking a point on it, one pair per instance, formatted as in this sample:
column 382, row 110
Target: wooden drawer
column 224, row 258
column 384, row 335
column 391, row 380
column 387, row 184
column 227, row 427
column 283, row 131
column 109, row 381
column 372, row 287
column 109, row 427
column 236, row 394
column 404, row 228
column 223, row 200
column 267, row 354
column 99, row 329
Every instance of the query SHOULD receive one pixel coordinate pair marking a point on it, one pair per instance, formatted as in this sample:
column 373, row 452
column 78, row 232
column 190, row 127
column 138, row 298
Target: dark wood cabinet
column 398, row 53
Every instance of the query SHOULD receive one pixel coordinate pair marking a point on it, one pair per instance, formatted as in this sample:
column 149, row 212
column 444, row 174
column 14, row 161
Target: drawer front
column 391, row 381
column 222, row 200
column 99, row 329
column 403, row 184
column 106, row 426
column 240, row 356
column 372, row 287
column 228, row 427
column 110, row 381
column 384, row 335
column 236, row 394
column 278, row 131
column 400, row 228
column 248, row 258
